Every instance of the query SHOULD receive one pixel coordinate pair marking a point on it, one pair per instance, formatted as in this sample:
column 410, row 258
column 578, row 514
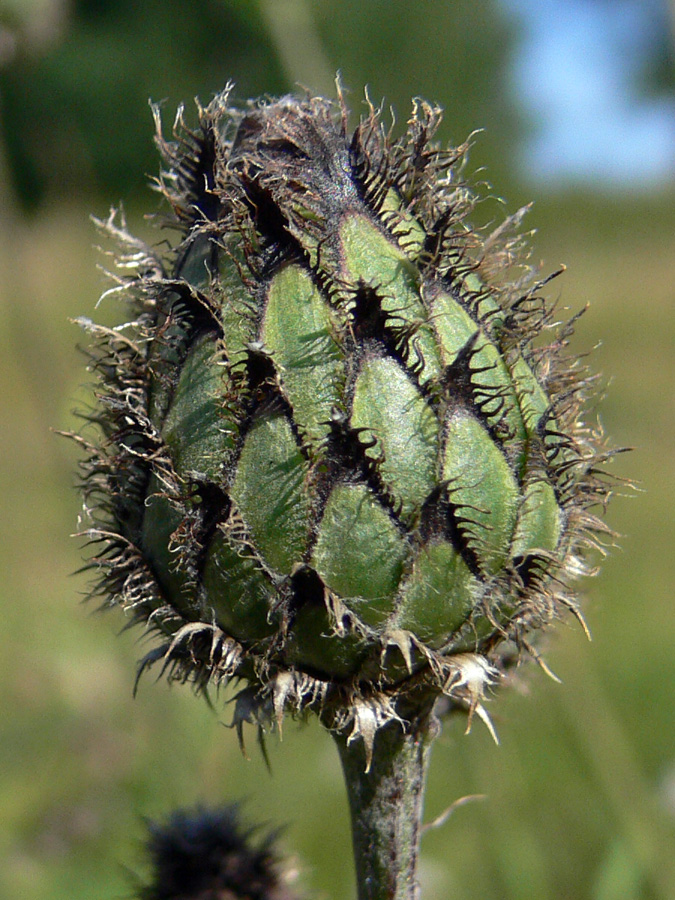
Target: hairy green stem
column 385, row 802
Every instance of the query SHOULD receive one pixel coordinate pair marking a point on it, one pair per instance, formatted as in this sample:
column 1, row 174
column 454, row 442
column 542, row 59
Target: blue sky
column 572, row 74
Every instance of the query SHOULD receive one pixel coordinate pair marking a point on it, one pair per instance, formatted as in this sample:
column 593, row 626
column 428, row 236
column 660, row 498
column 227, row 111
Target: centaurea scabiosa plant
column 342, row 458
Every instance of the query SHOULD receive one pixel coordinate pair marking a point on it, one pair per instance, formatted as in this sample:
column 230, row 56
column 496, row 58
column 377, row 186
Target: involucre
column 343, row 452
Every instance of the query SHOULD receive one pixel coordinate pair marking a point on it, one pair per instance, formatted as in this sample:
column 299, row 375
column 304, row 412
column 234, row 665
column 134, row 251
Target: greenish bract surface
column 483, row 489
column 241, row 595
column 359, row 552
column 392, row 410
column 196, row 429
column 268, row 489
column 297, row 330
column 438, row 596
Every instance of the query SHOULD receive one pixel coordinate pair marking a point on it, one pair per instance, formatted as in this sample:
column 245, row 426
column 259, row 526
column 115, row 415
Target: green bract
column 341, row 459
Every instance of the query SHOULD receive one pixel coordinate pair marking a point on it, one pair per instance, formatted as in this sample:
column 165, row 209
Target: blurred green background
column 580, row 796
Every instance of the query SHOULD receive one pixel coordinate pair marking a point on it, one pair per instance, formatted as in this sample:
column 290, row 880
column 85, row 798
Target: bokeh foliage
column 73, row 104
column 580, row 797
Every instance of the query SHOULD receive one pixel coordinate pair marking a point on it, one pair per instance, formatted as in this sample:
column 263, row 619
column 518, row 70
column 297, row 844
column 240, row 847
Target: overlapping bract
column 343, row 450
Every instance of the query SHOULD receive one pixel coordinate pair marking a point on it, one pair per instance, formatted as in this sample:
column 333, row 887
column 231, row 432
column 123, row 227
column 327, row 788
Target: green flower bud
column 343, row 454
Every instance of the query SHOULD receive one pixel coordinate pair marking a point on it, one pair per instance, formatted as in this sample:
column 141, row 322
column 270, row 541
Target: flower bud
column 342, row 453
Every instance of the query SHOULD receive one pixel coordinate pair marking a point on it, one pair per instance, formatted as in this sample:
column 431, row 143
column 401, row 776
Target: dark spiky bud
column 343, row 454
column 206, row 854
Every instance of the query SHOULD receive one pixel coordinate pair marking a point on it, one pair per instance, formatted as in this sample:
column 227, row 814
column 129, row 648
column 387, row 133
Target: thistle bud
column 206, row 854
column 342, row 454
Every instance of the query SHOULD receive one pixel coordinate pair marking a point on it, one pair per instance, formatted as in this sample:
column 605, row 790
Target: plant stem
column 386, row 807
